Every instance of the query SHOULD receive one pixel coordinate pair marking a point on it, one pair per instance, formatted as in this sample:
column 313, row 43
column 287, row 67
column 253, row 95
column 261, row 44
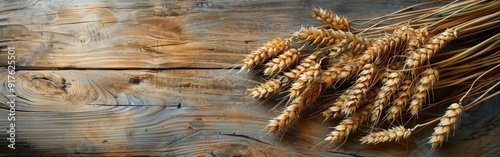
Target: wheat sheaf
column 384, row 74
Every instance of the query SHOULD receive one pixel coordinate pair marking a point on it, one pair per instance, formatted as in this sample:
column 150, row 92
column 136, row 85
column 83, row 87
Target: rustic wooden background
column 139, row 78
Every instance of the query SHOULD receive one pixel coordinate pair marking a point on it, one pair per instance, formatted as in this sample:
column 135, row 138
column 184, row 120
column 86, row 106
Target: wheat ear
column 305, row 64
column 325, row 37
column 424, row 84
column 340, row 70
column 400, row 100
column 335, row 108
column 351, row 43
column 389, row 86
column 426, row 51
column 296, row 106
column 393, row 134
column 333, row 21
column 268, row 88
column 358, row 90
column 417, row 38
column 447, row 122
column 282, row 62
column 350, row 124
column 382, row 48
column 395, row 65
column 307, row 77
column 269, row 50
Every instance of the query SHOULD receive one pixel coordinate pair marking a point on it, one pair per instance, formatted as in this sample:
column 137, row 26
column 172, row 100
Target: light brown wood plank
column 157, row 34
column 189, row 113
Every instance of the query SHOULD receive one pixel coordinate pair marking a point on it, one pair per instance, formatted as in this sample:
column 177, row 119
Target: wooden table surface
column 133, row 78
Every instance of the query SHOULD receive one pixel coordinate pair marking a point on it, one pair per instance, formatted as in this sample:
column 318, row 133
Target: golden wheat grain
column 389, row 86
column 307, row 77
column 282, row 62
column 358, row 90
column 316, row 36
column 383, row 76
column 343, row 69
column 382, row 49
column 417, row 38
column 424, row 84
column 400, row 100
column 332, row 20
column 269, row 50
column 268, row 88
column 349, row 43
column 422, row 35
column 395, row 65
column 396, row 42
column 353, row 45
column 335, row 109
column 359, row 101
column 371, row 95
column 350, row 124
column 325, row 37
column 447, row 122
column 305, row 64
column 294, row 108
column 393, row 134
column 426, row 51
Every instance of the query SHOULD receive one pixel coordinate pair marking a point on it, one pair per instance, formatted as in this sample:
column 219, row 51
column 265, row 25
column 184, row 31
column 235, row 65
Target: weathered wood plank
column 189, row 113
column 175, row 112
column 157, row 34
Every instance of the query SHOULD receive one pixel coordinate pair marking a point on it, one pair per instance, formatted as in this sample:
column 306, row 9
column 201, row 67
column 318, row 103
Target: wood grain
column 187, row 113
column 96, row 79
column 94, row 34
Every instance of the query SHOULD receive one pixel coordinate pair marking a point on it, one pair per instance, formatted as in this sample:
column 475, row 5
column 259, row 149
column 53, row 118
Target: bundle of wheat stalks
column 381, row 78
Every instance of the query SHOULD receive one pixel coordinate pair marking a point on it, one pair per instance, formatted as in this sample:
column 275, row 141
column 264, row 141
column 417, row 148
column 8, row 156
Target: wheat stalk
column 340, row 40
column 268, row 88
column 349, row 43
column 332, row 20
column 400, row 100
column 307, row 77
column 370, row 95
column 341, row 70
column 393, row 134
column 389, row 86
column 408, row 77
column 293, row 110
column 394, row 66
column 417, row 38
column 424, row 53
column 269, row 50
column 382, row 48
column 350, row 124
column 282, row 62
column 317, row 36
column 305, row 64
column 447, row 122
column 424, row 84
column 335, row 108
column 358, row 90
